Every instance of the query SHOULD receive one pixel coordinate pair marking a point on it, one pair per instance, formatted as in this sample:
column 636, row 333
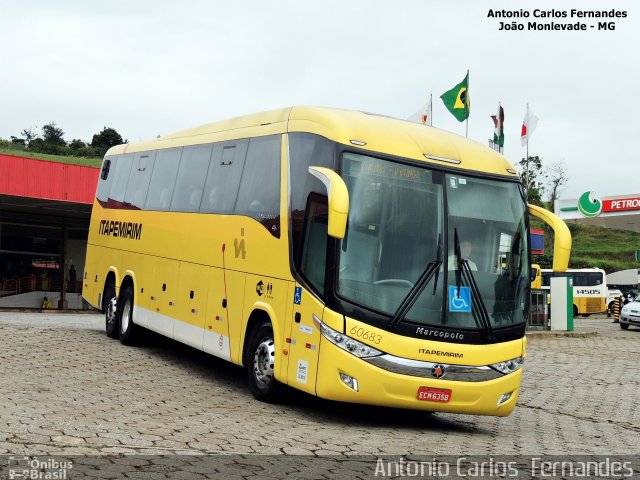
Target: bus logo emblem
column 438, row 371
column 239, row 248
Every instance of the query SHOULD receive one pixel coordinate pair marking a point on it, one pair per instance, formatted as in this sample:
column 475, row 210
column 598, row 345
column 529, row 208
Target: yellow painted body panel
column 200, row 277
column 380, row 387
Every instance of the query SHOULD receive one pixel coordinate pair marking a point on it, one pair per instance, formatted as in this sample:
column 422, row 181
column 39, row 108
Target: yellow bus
column 355, row 257
column 589, row 289
column 536, row 276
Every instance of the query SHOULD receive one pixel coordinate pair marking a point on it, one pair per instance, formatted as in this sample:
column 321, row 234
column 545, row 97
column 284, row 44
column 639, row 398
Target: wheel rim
column 263, row 362
column 126, row 316
column 111, row 312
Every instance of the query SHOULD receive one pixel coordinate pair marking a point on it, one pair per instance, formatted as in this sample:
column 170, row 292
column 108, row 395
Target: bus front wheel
column 124, row 314
column 260, row 363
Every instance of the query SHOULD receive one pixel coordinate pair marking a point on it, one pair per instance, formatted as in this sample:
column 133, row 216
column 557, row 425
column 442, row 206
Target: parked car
column 630, row 314
column 612, row 294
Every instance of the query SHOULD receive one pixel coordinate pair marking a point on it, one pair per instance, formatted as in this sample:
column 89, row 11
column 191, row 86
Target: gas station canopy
column 621, row 212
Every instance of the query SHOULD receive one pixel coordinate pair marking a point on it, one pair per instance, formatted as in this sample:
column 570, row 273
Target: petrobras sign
column 621, row 204
column 589, row 205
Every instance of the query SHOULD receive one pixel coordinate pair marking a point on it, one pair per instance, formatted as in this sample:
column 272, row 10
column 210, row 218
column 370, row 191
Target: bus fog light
column 349, row 381
column 504, row 397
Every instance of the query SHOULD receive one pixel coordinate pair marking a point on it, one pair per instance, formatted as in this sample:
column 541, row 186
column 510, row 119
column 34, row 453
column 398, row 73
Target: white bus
column 589, row 289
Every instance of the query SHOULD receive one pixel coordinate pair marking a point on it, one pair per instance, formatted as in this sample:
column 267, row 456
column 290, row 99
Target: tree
column 52, row 140
column 76, row 144
column 556, row 179
column 28, row 135
column 533, row 178
column 106, row 139
column 52, row 135
column 18, row 142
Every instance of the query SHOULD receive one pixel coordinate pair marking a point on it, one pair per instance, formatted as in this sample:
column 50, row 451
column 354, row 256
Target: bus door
column 193, row 281
column 216, row 328
column 303, row 340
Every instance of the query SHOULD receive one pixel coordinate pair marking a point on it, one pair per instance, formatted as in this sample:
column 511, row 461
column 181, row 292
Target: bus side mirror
column 338, row 200
column 562, row 237
column 532, row 274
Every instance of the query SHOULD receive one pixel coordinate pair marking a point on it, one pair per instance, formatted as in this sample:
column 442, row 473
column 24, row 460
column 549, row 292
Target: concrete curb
column 561, row 334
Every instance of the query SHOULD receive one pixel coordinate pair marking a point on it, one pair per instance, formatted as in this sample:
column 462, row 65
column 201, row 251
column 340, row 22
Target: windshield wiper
column 480, row 313
column 408, row 301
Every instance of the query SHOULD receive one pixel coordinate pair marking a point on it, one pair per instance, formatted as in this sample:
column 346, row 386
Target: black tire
column 624, row 326
column 129, row 331
column 575, row 311
column 109, row 307
column 260, row 363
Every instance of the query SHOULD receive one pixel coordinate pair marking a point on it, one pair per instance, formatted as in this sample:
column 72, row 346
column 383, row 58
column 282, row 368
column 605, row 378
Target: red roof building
column 45, row 209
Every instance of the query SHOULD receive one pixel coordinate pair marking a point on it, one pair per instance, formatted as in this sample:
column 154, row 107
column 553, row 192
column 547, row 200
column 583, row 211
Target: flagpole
column 466, row 100
column 500, row 147
column 527, row 161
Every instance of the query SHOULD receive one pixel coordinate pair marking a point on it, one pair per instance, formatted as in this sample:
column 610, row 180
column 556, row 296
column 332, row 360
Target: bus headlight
column 348, row 344
column 509, row 366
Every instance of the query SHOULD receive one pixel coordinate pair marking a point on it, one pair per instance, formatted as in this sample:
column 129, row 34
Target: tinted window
column 221, row 188
column 141, row 170
column 314, row 255
column 259, row 194
column 104, row 184
column 305, row 150
column 120, row 179
column 162, row 179
column 191, row 177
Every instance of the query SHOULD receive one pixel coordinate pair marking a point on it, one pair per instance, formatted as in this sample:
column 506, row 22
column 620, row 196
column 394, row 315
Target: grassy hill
column 89, row 162
column 605, row 248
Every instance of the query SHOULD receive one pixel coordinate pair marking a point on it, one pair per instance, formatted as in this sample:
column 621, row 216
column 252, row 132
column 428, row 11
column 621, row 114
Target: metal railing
column 539, row 312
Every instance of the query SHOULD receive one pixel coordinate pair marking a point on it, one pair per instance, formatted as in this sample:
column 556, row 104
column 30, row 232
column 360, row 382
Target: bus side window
column 192, row 174
column 106, row 179
column 259, row 193
column 120, row 181
column 314, row 244
column 139, row 181
column 163, row 179
column 223, row 178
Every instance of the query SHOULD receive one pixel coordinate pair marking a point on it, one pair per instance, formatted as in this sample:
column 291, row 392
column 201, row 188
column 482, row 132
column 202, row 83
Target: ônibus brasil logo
column 589, row 205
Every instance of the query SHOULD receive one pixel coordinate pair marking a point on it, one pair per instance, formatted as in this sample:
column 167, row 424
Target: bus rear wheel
column 109, row 306
column 128, row 330
column 260, row 363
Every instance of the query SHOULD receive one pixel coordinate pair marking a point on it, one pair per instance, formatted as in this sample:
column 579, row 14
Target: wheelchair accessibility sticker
column 297, row 296
column 459, row 301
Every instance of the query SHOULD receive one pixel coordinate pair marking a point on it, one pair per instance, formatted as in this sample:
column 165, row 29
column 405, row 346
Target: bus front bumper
column 376, row 386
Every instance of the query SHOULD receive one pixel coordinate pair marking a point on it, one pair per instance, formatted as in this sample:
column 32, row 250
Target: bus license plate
column 428, row 394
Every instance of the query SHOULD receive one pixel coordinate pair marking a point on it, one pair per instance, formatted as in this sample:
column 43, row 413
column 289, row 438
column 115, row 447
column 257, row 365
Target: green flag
column 457, row 100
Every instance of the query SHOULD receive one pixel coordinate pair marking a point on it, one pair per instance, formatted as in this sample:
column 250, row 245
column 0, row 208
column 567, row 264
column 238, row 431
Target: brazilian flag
column 457, row 100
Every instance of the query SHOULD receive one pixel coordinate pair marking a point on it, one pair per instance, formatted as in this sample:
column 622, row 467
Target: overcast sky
column 149, row 67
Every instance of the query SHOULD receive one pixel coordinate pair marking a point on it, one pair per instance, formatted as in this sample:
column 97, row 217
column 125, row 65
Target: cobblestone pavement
column 65, row 388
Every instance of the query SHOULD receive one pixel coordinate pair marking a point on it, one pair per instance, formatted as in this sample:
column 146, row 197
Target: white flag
column 423, row 115
column 528, row 126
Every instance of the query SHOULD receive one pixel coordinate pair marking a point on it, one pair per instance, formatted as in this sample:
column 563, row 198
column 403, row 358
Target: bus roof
column 370, row 132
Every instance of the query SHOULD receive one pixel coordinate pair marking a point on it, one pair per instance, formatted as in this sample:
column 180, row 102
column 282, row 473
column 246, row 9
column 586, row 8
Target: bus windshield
column 403, row 218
